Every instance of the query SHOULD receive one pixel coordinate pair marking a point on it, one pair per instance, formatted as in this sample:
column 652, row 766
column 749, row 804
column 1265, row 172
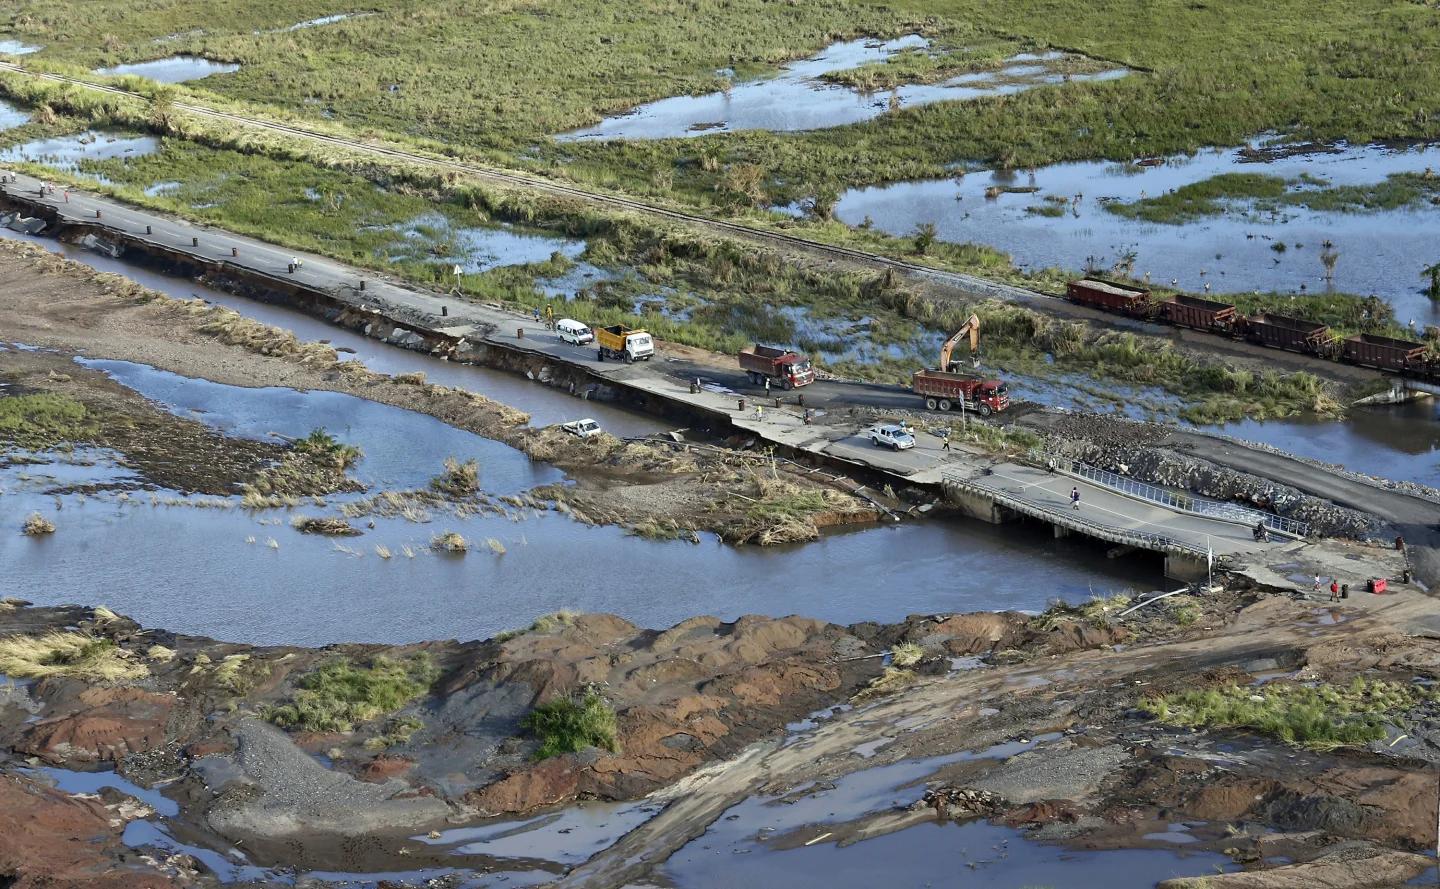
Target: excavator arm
column 971, row 327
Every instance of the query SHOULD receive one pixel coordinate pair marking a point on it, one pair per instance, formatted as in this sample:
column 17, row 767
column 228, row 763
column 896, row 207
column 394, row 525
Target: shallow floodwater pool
column 174, row 69
column 796, row 99
column 402, row 449
column 66, row 153
column 1381, row 252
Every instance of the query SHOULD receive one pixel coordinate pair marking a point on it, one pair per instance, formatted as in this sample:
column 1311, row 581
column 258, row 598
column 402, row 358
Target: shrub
column 449, row 542
column 906, row 654
column 565, row 725
column 36, row 525
column 323, row 447
column 340, row 694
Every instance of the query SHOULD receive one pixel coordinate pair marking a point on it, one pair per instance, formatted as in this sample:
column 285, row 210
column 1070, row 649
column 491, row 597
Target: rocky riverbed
column 1044, row 724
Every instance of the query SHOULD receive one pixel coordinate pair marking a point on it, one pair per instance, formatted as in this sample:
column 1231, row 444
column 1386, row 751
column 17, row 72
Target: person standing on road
column 1316, row 587
column 767, row 387
column 536, row 313
column 1334, row 590
column 759, row 413
column 1074, row 498
column 945, row 440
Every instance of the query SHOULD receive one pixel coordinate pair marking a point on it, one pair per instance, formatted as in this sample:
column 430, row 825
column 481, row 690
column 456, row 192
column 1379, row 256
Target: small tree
column 1433, row 273
column 925, row 235
column 1328, row 258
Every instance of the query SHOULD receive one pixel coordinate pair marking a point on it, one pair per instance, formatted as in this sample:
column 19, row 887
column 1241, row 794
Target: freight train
column 1402, row 357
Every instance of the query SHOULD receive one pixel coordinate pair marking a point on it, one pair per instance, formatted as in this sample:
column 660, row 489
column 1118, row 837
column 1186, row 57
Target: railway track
column 874, row 260
column 958, row 280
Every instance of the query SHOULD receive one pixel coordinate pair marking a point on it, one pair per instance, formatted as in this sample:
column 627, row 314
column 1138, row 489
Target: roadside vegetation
column 1322, row 716
column 571, row 724
column 342, row 693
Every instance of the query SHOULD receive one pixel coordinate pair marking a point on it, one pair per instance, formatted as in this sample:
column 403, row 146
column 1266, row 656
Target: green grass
column 44, row 419
column 1209, row 197
column 342, row 694
column 569, row 725
column 1322, row 716
column 1254, row 192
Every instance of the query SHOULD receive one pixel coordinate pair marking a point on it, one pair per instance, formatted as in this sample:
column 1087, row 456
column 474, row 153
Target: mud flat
column 803, row 747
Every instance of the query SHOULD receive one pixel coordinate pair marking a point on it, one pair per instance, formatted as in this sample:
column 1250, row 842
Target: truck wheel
column 945, row 404
column 786, row 384
column 931, row 404
column 984, row 409
column 875, row 441
column 599, row 354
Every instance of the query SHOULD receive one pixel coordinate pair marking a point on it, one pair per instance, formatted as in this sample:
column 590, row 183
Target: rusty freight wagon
column 1282, row 332
column 1111, row 296
column 1201, row 314
column 1383, row 352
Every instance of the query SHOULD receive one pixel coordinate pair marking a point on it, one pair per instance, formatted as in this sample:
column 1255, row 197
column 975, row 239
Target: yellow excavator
column 971, row 327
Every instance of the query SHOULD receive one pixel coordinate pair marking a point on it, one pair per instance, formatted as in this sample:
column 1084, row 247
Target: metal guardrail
column 1084, row 524
column 1177, row 500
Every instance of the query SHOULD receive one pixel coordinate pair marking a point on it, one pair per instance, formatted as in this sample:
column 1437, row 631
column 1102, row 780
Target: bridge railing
column 1179, row 500
column 1076, row 521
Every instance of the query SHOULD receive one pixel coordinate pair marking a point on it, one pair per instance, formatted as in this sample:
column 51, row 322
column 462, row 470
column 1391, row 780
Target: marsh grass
column 45, row 419
column 1323, row 716
column 569, row 725
column 67, row 654
column 342, row 694
column 459, row 480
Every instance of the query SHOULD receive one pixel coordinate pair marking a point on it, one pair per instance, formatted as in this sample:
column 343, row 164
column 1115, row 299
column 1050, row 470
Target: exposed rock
column 49, row 840
column 286, row 793
column 1359, row 866
column 105, row 725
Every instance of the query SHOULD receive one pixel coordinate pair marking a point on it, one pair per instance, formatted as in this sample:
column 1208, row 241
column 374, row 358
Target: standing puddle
column 569, row 836
column 174, row 69
column 402, row 449
column 432, row 239
column 926, row 854
column 1381, row 252
column 67, row 153
column 327, row 20
column 10, row 47
column 797, row 99
column 11, row 117
column 94, row 782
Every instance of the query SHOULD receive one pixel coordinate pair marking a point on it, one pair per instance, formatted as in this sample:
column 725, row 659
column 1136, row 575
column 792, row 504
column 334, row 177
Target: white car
column 892, row 436
column 585, row 428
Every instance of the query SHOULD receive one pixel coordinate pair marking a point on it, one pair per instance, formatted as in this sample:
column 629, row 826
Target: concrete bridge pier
column 1186, row 567
column 979, row 506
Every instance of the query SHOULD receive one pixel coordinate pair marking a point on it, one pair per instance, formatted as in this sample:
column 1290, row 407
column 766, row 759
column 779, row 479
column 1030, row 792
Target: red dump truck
column 1110, row 295
column 949, row 391
column 782, row 367
column 1283, row 332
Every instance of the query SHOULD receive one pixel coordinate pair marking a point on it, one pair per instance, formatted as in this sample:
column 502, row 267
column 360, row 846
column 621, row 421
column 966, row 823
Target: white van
column 571, row 331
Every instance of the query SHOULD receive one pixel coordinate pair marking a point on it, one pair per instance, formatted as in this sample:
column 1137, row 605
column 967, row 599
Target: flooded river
column 1380, row 252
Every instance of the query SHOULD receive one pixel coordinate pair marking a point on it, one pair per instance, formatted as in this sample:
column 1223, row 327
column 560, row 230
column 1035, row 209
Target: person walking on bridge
column 1074, row 498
